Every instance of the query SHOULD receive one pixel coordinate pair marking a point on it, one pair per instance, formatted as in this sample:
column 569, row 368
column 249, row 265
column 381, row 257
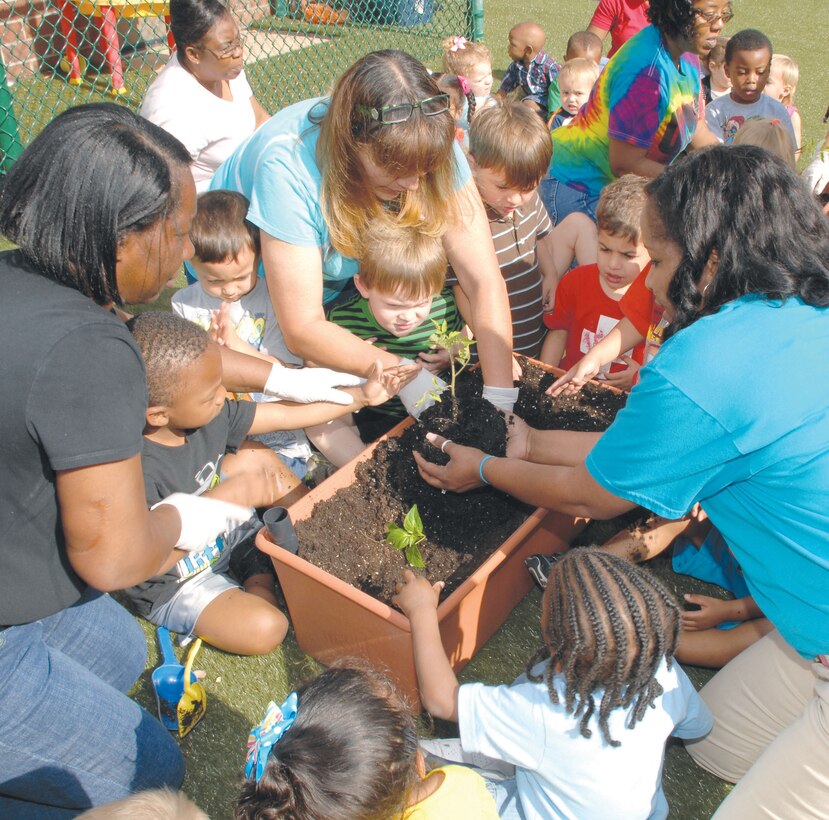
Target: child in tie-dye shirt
column 647, row 99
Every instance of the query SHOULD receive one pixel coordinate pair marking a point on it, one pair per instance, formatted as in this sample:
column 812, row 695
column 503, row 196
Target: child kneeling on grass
column 586, row 727
column 344, row 747
column 223, row 593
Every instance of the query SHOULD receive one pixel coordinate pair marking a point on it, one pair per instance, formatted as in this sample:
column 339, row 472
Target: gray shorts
column 181, row 612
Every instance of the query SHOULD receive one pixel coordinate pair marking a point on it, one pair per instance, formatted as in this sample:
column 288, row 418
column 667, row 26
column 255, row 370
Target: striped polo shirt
column 515, row 238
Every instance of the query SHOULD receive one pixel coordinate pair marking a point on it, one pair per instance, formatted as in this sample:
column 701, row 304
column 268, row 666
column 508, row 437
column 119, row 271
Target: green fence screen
column 58, row 53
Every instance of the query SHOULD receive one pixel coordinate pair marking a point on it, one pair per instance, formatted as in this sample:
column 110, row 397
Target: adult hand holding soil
column 460, row 475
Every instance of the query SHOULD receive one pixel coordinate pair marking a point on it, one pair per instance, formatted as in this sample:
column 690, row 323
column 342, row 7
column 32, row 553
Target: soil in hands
column 346, row 534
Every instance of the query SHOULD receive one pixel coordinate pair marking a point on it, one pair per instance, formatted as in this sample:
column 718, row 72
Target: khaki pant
column 770, row 735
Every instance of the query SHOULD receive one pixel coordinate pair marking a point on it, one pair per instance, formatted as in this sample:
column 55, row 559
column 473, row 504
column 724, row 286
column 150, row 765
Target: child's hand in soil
column 712, row 612
column 416, row 594
column 575, row 378
column 461, row 473
column 381, row 385
column 435, row 362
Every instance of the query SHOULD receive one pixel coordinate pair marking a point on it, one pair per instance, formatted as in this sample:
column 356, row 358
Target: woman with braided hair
column 586, row 726
column 743, row 281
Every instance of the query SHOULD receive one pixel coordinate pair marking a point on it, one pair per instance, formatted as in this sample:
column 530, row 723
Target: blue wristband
column 481, row 468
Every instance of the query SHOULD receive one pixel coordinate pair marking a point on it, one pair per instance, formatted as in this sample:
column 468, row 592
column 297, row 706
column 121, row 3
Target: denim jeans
column 561, row 200
column 70, row 738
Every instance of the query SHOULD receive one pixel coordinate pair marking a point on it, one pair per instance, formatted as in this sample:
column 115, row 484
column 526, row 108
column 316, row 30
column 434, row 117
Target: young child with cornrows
column 344, row 747
column 586, row 726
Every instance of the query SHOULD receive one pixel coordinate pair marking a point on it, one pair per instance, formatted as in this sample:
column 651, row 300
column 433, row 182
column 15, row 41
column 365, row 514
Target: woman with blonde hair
column 321, row 170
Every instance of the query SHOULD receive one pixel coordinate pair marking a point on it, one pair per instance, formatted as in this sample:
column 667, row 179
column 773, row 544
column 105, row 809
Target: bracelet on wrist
column 481, row 468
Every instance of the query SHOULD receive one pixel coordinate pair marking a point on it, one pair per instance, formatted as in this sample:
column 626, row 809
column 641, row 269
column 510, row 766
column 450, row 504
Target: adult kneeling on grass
column 733, row 414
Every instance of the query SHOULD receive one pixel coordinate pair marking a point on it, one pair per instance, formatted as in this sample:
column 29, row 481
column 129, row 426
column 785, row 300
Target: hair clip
column 262, row 738
column 458, row 44
column 465, row 86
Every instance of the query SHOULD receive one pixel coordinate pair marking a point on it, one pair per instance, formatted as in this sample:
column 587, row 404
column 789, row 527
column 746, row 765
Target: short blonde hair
column 770, row 134
column 155, row 804
column 400, row 259
column 579, row 68
column 789, row 72
column 465, row 56
column 512, row 139
column 421, row 146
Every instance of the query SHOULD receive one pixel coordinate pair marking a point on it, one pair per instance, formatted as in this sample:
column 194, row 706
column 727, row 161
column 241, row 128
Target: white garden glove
column 307, row 384
column 421, row 385
column 503, row 398
column 203, row 520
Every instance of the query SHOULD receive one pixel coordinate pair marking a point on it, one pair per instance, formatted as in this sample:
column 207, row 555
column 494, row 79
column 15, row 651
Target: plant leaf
column 414, row 557
column 398, row 537
column 412, row 523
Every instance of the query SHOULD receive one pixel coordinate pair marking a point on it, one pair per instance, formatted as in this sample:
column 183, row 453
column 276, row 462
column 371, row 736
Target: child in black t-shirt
column 194, row 442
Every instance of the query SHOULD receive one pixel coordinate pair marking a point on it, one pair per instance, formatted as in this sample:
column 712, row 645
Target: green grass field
column 239, row 688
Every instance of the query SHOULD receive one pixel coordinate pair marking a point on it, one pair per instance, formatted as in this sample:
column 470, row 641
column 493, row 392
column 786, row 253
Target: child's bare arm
column 574, row 238
column 623, row 337
column 644, row 542
column 550, row 274
column 715, row 611
column 437, row 682
column 553, row 347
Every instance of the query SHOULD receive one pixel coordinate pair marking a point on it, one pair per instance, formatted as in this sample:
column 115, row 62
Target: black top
column 74, row 394
column 192, row 468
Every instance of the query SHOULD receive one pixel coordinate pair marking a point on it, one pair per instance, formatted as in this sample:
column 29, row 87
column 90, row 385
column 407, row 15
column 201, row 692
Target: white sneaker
column 449, row 750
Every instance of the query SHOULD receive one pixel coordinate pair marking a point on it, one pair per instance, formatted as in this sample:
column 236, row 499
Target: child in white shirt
column 586, row 727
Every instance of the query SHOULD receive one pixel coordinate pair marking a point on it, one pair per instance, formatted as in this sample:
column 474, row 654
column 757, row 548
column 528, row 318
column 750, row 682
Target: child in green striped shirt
column 400, row 292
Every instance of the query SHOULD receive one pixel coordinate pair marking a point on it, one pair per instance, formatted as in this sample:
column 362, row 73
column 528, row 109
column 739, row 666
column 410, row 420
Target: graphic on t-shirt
column 589, row 339
column 208, row 476
column 195, row 562
column 731, row 127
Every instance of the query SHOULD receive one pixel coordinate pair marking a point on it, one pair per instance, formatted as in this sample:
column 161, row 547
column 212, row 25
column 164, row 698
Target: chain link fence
column 55, row 54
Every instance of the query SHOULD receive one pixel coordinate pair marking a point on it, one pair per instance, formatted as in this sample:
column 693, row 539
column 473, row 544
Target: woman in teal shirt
column 733, row 413
column 382, row 147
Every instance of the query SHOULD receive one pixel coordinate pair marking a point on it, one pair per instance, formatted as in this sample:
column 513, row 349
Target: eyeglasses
column 709, row 17
column 228, row 51
column 394, row 114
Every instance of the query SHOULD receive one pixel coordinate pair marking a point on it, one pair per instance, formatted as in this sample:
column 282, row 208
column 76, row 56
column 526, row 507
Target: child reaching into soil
column 717, row 630
column 344, row 747
column 223, row 593
column 588, row 299
column 586, row 727
column 401, row 293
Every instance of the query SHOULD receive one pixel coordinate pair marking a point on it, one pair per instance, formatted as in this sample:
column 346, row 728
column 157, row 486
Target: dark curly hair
column 673, row 18
column 350, row 754
column 607, row 625
column 770, row 235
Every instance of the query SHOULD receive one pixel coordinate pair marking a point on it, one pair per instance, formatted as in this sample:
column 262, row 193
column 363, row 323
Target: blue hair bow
column 277, row 721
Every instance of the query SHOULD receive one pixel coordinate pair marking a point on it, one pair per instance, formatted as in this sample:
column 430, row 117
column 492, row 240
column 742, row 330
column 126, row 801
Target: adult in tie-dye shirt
column 645, row 109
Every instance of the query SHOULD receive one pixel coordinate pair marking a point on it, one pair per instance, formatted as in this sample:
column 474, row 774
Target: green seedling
column 408, row 537
column 460, row 354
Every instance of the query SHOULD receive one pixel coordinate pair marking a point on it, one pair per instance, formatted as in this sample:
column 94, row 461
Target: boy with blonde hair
column 401, row 292
column 575, row 82
column 509, row 153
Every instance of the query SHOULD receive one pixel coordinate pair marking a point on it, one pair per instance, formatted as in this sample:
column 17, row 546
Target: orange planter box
column 333, row 619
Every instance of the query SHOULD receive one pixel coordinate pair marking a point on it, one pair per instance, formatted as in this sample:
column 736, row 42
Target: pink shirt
column 622, row 18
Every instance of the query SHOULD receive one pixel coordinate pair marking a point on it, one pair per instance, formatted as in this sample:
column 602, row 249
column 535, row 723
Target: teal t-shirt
column 276, row 169
column 733, row 413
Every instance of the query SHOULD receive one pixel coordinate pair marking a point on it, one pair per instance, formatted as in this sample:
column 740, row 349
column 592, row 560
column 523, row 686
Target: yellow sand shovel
column 193, row 702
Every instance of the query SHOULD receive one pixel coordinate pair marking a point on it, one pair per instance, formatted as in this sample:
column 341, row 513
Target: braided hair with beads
column 607, row 624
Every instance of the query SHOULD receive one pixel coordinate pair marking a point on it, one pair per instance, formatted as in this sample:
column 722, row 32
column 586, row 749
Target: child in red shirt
column 587, row 302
